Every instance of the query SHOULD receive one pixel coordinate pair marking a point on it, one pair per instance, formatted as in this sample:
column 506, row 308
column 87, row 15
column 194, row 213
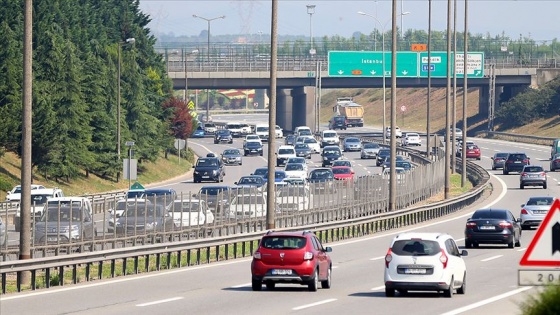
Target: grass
column 544, row 303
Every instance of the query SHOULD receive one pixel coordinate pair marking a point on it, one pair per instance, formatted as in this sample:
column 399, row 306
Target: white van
column 303, row 131
column 262, row 132
column 329, row 137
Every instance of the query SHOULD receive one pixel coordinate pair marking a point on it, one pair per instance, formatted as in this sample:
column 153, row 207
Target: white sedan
column 313, row 144
column 191, row 213
column 411, row 138
column 296, row 170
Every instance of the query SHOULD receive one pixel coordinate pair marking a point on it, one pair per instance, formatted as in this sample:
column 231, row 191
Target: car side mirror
column 328, row 249
column 193, row 166
column 464, row 253
column 522, row 205
column 235, row 183
column 518, row 220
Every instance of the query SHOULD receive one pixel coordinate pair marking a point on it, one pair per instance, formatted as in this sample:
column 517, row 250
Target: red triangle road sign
column 544, row 250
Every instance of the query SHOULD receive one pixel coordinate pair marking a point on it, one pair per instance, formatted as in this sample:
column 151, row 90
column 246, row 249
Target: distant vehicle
column 247, row 206
column 369, row 150
column 330, row 154
column 337, row 122
column 343, row 173
column 232, row 156
column 15, row 193
column 515, row 163
column 284, row 152
column 210, row 128
column 322, row 179
column 262, row 132
column 191, row 213
column 39, row 198
column 295, row 170
column 216, row 197
column 3, row 234
column 120, row 208
column 292, row 198
column 493, row 226
column 353, row 113
column 303, row 150
column 144, row 220
column 498, row 160
column 398, row 132
column 313, row 145
column 208, row 169
column 532, row 175
column 223, row 136
column 251, row 181
column 253, row 148
column 411, row 138
column 290, row 140
column 252, row 138
column 555, row 163
column 261, row 171
column 235, row 129
column 329, row 137
column 204, row 119
column 278, row 132
column 198, row 133
column 343, row 163
column 303, row 131
column 555, row 148
column 473, row 152
column 351, row 144
column 534, row 211
column 381, row 156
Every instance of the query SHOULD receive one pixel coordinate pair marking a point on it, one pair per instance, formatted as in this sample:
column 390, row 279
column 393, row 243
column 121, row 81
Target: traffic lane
column 229, row 283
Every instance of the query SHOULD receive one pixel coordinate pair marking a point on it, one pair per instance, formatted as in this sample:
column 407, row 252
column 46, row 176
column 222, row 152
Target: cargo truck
column 353, row 113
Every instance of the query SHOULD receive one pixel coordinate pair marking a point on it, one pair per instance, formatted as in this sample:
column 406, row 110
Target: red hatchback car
column 344, row 173
column 291, row 257
column 473, row 152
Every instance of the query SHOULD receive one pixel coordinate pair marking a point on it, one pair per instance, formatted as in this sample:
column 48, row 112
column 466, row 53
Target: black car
column 209, row 168
column 222, row 136
column 303, row 150
column 161, row 196
column 515, row 162
column 382, row 155
column 252, row 148
column 290, row 140
column 330, row 153
column 493, row 226
column 251, row 181
column 321, row 179
column 217, row 197
column 337, row 122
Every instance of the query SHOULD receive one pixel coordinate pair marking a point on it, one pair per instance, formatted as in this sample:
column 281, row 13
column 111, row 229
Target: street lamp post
column 194, row 52
column 403, row 13
column 208, row 21
column 129, row 144
column 311, row 11
column 120, row 44
column 383, row 65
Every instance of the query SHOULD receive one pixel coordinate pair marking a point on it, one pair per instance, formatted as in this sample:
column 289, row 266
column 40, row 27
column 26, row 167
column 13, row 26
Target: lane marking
column 240, row 286
column 492, row 258
column 313, row 304
column 378, row 288
column 377, row 258
column 487, row 301
column 522, row 249
column 160, row 301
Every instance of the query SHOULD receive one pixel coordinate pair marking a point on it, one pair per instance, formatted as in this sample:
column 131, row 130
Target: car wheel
column 493, row 168
column 518, row 243
column 544, row 186
column 504, row 172
column 449, row 292
column 270, row 285
column 521, row 186
column 463, row 288
column 389, row 292
column 314, row 283
column 326, row 284
column 512, row 243
column 468, row 244
column 256, row 285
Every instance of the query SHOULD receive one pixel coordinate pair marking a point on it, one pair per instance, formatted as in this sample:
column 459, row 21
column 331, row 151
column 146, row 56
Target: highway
column 357, row 272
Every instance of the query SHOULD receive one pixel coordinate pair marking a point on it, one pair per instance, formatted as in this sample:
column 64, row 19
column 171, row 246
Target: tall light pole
column 402, row 14
column 383, row 65
column 311, row 11
column 120, row 44
column 208, row 21
column 194, row 52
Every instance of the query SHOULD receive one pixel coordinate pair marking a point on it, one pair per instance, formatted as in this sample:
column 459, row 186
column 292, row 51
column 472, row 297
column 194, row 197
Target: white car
column 398, row 132
column 210, row 128
column 411, row 138
column 252, row 138
column 247, row 206
column 191, row 213
column 298, row 159
column 313, row 144
column 292, row 198
column 424, row 262
column 120, row 207
column 278, row 132
column 39, row 198
column 329, row 137
column 296, row 170
column 15, row 193
column 284, row 153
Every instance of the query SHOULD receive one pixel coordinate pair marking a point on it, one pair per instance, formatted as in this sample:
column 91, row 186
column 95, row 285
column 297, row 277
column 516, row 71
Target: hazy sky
column 537, row 19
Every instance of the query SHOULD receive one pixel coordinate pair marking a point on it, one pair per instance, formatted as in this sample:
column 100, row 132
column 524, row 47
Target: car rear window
column 415, row 247
column 283, row 242
column 489, row 214
column 517, row 157
column 545, row 201
column 533, row 169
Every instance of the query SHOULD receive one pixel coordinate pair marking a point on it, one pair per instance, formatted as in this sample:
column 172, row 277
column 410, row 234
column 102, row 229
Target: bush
column 545, row 303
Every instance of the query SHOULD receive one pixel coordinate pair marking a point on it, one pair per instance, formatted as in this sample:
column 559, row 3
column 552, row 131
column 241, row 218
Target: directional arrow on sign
column 405, row 72
column 477, row 72
column 372, row 72
column 340, row 72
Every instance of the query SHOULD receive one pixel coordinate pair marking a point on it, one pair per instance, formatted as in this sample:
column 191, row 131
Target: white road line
column 378, row 288
column 522, row 249
column 492, row 258
column 377, row 258
column 487, row 301
column 313, row 304
column 240, row 285
column 160, row 301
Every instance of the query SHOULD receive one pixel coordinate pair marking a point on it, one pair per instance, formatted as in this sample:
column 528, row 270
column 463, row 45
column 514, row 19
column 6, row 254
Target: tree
column 180, row 118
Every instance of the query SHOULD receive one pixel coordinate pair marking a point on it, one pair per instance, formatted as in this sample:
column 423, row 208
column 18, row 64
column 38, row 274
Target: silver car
column 369, row 150
column 498, row 160
column 352, row 144
column 532, row 175
column 64, row 222
column 534, row 211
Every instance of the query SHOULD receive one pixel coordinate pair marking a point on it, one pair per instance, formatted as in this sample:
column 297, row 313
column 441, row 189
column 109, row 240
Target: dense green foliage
column 545, row 303
column 75, row 85
column 530, row 105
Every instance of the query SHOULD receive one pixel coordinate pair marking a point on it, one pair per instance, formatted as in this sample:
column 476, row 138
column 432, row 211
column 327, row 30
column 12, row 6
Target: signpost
column 409, row 64
column 179, row 144
column 543, row 252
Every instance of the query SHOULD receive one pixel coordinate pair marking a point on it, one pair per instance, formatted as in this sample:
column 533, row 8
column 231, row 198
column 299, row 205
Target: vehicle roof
column 74, row 198
column 160, row 191
column 286, row 233
column 340, row 167
column 434, row 236
column 44, row 191
column 285, row 146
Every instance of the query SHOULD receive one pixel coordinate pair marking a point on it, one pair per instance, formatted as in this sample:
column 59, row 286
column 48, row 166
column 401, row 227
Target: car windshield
column 309, row 140
column 540, row 201
column 261, row 171
column 489, row 214
column 37, row 200
column 302, row 146
column 384, row 153
column 342, row 163
column 232, row 152
column 283, row 242
column 262, row 129
column 304, row 132
column 331, row 152
column 253, row 180
column 253, row 137
column 342, row 170
column 533, row 169
column 223, row 132
column 517, row 157
column 501, row 155
column 286, row 151
column 416, row 247
column 370, row 145
column 321, row 174
column 294, row 191
column 329, row 135
column 65, row 214
column 233, row 126
column 299, row 160
column 279, row 174
column 294, row 167
column 123, row 205
column 186, row 206
column 403, row 164
column 149, row 211
column 207, row 162
column 253, row 144
column 211, row 190
column 352, row 140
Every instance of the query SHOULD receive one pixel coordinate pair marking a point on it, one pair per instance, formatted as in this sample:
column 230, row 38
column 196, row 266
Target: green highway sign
column 409, row 64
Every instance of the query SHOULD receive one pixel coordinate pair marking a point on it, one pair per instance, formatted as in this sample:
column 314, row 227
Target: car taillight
column 526, row 161
column 556, row 161
column 308, row 256
column 388, row 258
column 523, row 211
column 509, row 161
column 443, row 258
column 257, row 255
column 543, row 174
column 505, row 224
column 471, row 225
column 523, row 174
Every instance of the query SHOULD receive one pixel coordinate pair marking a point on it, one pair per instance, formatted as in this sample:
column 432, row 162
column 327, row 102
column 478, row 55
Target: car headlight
column 325, row 158
column 215, row 171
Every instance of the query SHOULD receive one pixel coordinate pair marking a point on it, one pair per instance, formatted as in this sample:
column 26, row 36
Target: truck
column 353, row 112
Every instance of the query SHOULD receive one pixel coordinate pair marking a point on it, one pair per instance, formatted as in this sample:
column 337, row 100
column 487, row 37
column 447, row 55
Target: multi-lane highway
column 357, row 274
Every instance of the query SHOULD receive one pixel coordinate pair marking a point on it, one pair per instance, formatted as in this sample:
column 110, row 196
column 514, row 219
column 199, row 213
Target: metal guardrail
column 187, row 253
column 513, row 137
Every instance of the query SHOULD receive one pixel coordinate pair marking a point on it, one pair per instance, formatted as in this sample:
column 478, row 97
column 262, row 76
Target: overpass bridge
column 297, row 77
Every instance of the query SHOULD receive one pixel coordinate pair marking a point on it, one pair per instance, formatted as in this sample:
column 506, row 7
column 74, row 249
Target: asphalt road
column 357, row 274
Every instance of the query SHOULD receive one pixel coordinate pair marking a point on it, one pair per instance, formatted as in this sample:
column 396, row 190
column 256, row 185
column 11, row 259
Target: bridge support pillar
column 483, row 100
column 284, row 108
column 304, row 108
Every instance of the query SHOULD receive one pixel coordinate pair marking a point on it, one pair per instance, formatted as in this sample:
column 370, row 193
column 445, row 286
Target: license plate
column 415, row 271
column 533, row 175
column 205, row 176
column 540, row 211
column 487, row 227
column 517, row 162
column 281, row 272
column 52, row 239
